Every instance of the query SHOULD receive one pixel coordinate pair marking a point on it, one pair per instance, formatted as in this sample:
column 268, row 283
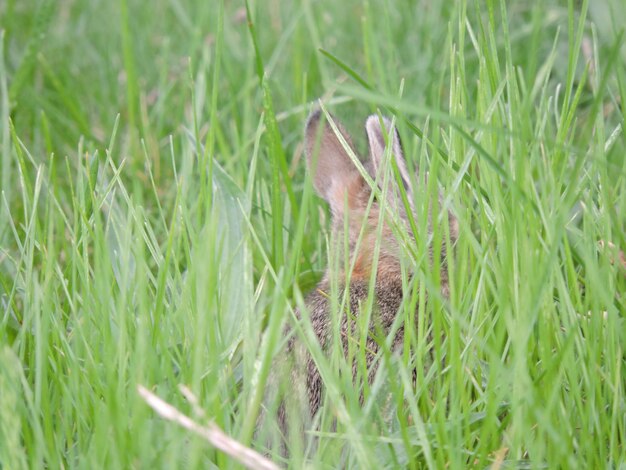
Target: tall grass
column 157, row 229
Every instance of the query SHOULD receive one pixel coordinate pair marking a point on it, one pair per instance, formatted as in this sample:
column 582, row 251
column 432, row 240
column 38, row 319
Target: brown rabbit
column 337, row 179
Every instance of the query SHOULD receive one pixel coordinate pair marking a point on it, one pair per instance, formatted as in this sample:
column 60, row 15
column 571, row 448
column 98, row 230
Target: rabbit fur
column 340, row 183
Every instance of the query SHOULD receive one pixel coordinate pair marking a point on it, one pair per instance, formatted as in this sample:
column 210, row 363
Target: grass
column 157, row 228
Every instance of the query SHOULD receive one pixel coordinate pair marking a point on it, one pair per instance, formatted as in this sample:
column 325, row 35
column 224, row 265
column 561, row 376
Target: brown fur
column 338, row 181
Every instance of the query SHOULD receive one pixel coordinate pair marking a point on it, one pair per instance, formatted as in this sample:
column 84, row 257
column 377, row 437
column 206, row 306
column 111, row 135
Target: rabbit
column 338, row 181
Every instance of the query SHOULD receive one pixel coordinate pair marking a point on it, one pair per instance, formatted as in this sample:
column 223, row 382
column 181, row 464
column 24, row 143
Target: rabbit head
column 338, row 180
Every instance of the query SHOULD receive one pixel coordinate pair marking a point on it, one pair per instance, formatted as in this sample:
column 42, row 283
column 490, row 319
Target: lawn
column 158, row 229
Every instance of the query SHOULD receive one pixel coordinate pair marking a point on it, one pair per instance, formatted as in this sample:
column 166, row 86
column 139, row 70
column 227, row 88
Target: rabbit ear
column 334, row 174
column 376, row 136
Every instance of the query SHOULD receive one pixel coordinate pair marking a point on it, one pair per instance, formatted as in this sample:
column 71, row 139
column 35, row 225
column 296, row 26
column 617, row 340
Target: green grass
column 157, row 228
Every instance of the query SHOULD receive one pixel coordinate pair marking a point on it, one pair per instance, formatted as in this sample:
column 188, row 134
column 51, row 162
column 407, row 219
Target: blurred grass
column 157, row 228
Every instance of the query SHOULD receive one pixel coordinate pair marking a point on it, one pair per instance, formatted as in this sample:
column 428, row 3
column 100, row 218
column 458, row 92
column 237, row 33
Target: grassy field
column 157, row 228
